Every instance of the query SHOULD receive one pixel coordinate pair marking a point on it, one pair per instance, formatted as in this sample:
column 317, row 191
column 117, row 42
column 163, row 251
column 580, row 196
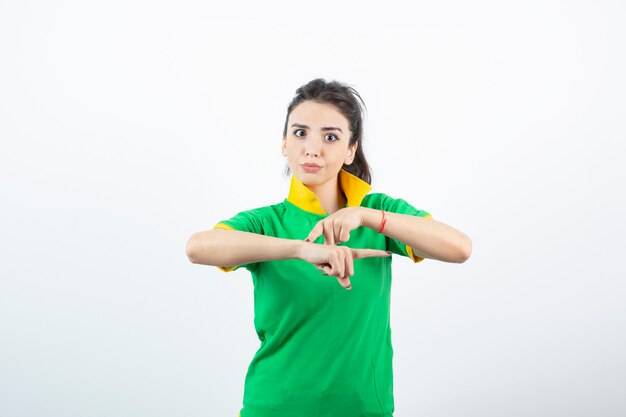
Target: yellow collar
column 354, row 188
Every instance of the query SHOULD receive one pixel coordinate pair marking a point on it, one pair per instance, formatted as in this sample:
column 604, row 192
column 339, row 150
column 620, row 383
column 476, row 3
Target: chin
column 307, row 178
column 304, row 176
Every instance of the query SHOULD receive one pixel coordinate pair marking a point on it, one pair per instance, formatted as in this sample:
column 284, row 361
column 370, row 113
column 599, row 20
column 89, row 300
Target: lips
column 311, row 168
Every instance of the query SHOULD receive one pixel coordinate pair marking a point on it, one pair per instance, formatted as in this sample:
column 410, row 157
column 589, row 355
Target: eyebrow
column 324, row 128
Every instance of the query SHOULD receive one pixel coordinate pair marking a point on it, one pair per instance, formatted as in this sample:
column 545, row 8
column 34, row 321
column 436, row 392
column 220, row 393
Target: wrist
column 298, row 249
column 371, row 218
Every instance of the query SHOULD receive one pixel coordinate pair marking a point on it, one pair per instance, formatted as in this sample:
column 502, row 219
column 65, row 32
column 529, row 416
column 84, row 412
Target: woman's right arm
column 219, row 247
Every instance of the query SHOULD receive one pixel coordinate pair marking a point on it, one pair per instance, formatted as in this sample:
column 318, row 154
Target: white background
column 126, row 126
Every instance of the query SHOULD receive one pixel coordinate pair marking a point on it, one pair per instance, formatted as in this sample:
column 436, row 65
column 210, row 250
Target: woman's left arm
column 427, row 237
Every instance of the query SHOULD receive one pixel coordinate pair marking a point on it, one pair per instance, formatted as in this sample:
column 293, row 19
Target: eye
column 332, row 136
column 295, row 132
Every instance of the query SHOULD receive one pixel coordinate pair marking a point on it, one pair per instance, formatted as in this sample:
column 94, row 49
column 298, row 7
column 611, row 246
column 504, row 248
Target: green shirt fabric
column 325, row 351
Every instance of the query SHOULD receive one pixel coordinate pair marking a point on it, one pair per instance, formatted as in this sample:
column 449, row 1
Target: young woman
column 325, row 348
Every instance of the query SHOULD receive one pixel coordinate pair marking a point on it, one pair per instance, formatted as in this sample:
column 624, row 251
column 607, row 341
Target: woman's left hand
column 336, row 228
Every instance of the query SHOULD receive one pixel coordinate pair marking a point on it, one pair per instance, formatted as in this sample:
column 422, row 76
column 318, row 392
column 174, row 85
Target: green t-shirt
column 325, row 351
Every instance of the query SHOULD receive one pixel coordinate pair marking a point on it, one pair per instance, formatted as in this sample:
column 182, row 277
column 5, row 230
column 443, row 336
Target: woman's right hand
column 336, row 261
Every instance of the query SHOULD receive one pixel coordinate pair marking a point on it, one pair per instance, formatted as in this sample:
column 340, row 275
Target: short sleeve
column 398, row 205
column 246, row 221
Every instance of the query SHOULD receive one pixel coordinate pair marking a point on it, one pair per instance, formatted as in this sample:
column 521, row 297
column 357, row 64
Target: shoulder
column 382, row 201
column 376, row 200
column 253, row 218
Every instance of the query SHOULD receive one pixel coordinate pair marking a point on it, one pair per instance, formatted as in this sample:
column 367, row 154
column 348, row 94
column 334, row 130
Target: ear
column 351, row 154
column 284, row 146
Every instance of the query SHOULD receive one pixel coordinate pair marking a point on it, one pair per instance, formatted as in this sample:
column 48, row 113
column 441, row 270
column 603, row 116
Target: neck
column 330, row 195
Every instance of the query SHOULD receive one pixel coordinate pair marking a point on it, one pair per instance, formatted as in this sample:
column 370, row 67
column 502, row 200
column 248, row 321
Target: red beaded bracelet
column 383, row 222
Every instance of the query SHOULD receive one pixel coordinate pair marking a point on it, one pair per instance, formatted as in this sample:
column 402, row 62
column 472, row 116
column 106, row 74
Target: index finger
column 368, row 253
column 315, row 232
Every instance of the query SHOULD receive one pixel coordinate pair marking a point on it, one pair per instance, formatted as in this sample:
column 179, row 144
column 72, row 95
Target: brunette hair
column 348, row 101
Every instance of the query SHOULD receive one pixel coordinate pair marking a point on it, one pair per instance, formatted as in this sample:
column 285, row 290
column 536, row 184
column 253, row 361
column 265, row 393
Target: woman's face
column 317, row 134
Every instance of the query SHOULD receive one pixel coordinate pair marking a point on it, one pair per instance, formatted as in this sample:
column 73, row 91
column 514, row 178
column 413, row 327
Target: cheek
column 295, row 148
column 292, row 152
column 338, row 157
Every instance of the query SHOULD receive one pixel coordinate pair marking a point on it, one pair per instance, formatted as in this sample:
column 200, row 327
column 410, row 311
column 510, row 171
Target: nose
column 312, row 147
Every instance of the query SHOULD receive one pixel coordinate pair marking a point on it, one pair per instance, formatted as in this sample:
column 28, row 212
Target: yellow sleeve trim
column 409, row 250
column 415, row 258
column 225, row 227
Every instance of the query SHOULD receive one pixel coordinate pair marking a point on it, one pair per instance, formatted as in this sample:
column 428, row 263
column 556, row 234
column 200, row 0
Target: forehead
column 314, row 114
